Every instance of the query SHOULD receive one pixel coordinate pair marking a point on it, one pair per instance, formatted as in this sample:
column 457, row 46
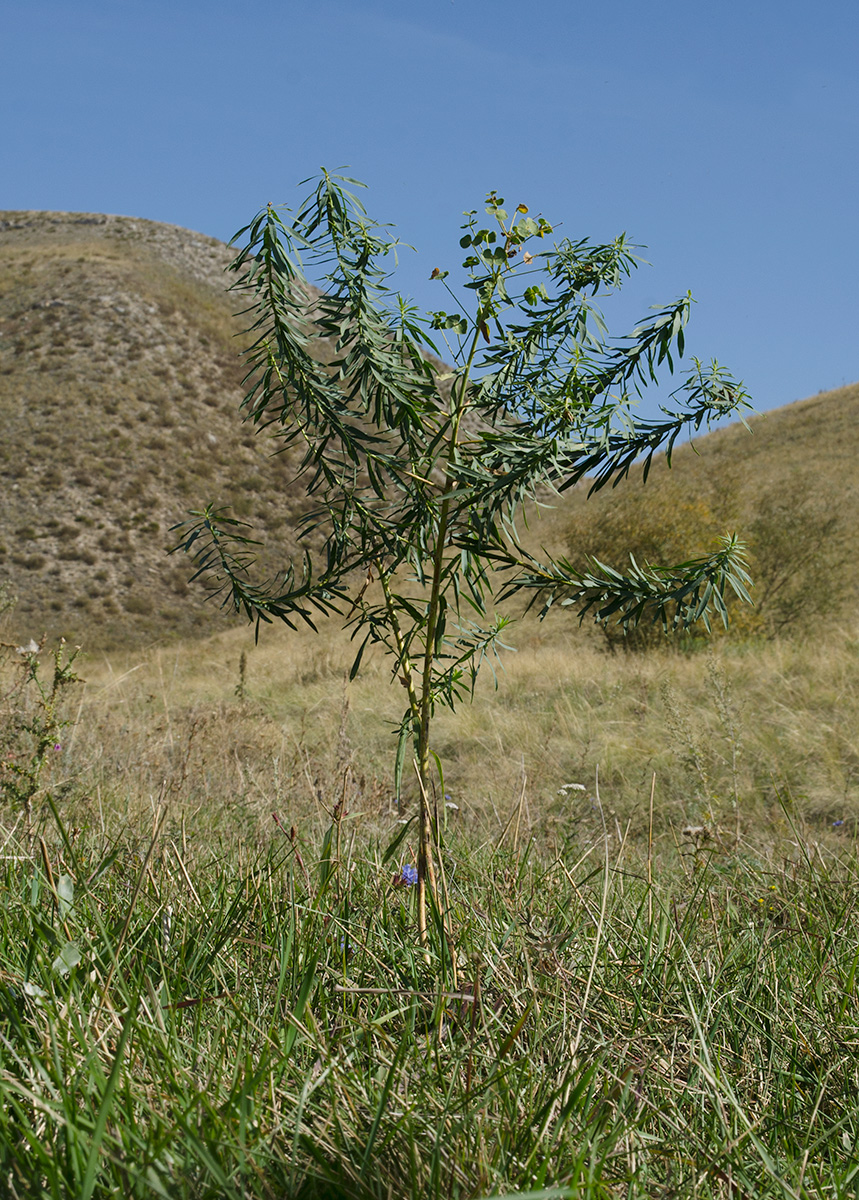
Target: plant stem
column 425, row 855
column 425, row 863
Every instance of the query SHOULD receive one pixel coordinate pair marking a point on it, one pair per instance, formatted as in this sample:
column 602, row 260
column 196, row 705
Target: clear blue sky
column 723, row 135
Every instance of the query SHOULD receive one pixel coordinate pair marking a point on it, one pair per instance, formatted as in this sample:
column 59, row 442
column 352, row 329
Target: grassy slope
column 725, row 736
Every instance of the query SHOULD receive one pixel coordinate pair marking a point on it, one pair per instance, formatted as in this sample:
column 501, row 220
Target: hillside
column 119, row 389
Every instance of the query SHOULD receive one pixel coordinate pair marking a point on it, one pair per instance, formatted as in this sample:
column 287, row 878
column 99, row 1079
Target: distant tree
column 420, row 476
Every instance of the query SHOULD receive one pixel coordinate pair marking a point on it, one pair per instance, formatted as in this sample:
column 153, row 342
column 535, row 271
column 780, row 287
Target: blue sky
column 723, row 136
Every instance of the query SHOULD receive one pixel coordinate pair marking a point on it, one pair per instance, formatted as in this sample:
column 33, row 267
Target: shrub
column 30, row 562
column 138, row 605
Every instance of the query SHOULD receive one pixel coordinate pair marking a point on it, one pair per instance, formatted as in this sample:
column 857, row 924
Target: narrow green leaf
column 394, row 845
column 356, row 665
column 307, row 985
column 370, row 1146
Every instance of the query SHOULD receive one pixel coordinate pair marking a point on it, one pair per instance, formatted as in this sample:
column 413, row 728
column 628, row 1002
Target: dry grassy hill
column 119, row 388
column 119, row 391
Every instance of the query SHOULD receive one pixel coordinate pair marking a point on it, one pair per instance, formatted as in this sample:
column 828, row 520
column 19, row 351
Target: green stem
column 425, row 863
column 426, row 870
column 458, row 408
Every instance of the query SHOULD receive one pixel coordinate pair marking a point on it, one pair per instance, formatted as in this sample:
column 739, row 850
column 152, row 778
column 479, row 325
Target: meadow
column 641, row 976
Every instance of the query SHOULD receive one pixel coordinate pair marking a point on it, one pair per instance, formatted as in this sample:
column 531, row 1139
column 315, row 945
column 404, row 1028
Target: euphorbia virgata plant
column 419, row 473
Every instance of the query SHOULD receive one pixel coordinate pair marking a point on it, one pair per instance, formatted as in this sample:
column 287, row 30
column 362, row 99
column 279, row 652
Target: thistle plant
column 33, row 723
column 420, row 473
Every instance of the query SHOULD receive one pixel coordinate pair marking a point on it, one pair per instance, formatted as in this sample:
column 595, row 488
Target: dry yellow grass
column 734, row 735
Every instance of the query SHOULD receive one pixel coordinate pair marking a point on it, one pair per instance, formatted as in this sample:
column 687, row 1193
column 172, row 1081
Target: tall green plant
column 420, row 472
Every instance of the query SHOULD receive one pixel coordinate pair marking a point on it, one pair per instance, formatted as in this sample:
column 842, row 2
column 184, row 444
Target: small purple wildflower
column 57, row 746
column 409, row 875
column 837, row 824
